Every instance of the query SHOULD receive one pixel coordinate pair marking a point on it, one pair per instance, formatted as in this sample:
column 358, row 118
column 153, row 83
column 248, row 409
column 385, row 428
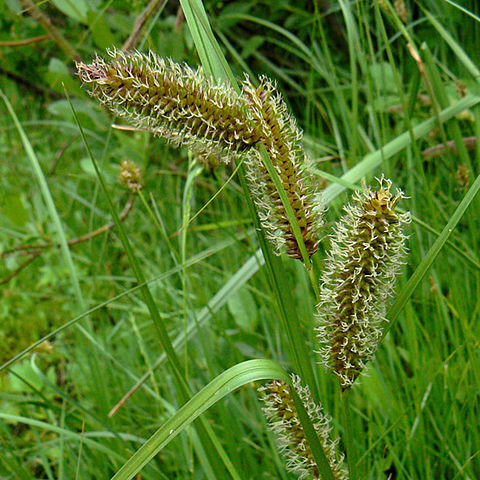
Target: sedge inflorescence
column 367, row 249
column 283, row 420
column 130, row 176
column 173, row 101
column 283, row 142
column 186, row 107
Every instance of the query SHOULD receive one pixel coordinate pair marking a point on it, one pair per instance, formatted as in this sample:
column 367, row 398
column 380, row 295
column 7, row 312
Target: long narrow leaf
column 456, row 48
column 431, row 255
column 218, row 388
column 228, row 381
column 68, row 434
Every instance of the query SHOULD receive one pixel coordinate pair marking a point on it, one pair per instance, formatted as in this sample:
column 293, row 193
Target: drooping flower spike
column 283, row 420
column 187, row 107
column 172, row 101
column 367, row 249
column 283, row 142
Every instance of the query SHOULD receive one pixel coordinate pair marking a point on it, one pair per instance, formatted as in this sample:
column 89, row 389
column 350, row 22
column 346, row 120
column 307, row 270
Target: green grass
column 175, row 306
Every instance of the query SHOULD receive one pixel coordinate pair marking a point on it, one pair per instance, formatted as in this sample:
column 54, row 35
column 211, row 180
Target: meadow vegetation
column 142, row 304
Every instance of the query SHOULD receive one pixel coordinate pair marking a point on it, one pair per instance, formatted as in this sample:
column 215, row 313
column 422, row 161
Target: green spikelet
column 359, row 275
column 282, row 140
column 173, row 101
column 283, row 420
column 131, row 176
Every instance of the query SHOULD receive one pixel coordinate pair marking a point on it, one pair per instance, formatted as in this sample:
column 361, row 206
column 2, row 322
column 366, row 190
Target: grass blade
column 192, row 261
column 431, row 255
column 228, row 381
column 375, row 159
column 456, row 48
column 218, row 388
column 208, row 49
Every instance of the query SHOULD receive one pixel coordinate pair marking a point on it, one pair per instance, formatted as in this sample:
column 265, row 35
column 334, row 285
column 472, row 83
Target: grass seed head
column 283, row 142
column 186, row 107
column 401, row 10
column 462, row 176
column 131, row 176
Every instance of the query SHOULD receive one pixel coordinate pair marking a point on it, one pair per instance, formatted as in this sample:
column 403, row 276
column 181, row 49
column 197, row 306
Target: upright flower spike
column 283, row 420
column 282, row 139
column 367, row 248
column 172, row 101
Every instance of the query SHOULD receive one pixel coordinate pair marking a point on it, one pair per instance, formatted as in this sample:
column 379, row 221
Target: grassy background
column 354, row 86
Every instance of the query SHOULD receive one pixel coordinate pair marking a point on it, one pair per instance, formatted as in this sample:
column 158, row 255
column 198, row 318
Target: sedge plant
column 188, row 108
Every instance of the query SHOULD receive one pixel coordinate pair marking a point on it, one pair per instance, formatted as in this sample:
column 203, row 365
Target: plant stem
column 48, row 26
column 348, row 435
column 312, row 275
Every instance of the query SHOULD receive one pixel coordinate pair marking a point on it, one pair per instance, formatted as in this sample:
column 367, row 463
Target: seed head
column 283, row 420
column 462, row 176
column 367, row 248
column 401, row 10
column 186, row 107
column 173, row 101
column 461, row 88
column 283, row 142
column 131, row 176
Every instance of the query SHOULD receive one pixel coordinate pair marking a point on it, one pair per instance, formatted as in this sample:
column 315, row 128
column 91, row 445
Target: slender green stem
column 348, row 435
column 160, row 228
column 313, row 276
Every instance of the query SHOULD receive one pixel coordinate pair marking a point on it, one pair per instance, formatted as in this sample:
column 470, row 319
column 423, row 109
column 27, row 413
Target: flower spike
column 283, row 420
column 283, row 142
column 172, row 101
column 186, row 107
column 367, row 249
